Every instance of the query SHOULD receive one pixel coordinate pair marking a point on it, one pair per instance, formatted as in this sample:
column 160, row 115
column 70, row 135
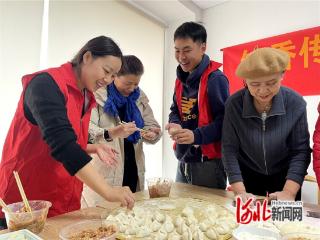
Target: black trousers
column 3, row 223
column 130, row 173
column 260, row 184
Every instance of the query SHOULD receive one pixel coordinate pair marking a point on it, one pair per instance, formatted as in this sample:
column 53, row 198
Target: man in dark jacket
column 197, row 111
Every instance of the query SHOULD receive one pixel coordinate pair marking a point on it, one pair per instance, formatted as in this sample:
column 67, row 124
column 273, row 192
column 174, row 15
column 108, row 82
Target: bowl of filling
column 159, row 187
column 89, row 230
column 19, row 218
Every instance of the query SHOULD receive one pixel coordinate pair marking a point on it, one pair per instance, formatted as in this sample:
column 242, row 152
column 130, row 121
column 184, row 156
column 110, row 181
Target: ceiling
column 163, row 11
column 203, row 4
column 166, row 11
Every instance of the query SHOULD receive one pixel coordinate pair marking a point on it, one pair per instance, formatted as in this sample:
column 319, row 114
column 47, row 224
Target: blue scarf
column 115, row 101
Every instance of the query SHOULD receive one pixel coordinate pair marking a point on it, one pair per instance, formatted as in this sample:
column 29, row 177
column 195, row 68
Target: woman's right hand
column 245, row 197
column 239, row 190
column 89, row 175
column 122, row 130
column 122, row 195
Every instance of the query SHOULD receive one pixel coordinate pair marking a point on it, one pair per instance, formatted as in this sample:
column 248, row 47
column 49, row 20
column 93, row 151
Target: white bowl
column 20, row 235
column 245, row 232
column 294, row 236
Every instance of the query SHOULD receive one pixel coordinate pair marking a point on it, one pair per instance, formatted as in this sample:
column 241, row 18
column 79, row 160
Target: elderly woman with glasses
column 265, row 143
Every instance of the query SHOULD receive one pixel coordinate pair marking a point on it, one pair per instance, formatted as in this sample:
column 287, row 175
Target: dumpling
column 133, row 224
column 204, row 226
column 159, row 217
column 167, row 206
column 140, row 221
column 138, row 211
column 161, row 235
column 148, row 222
column 187, row 211
column 179, row 220
column 231, row 223
column 122, row 228
column 168, row 226
column 121, row 217
column 174, row 236
column 222, row 229
column 213, row 220
column 131, row 231
column 187, row 235
column 193, row 227
column 223, row 212
column 168, row 218
column 111, row 218
column 182, row 228
column 191, row 220
column 211, row 234
column 155, row 226
column 198, row 235
column 211, row 211
column 148, row 215
column 143, row 232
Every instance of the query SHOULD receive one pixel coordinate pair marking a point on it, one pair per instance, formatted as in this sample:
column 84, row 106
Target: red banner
column 303, row 72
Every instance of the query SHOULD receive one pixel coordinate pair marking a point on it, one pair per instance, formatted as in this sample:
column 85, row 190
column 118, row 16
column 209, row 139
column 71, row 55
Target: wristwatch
column 107, row 136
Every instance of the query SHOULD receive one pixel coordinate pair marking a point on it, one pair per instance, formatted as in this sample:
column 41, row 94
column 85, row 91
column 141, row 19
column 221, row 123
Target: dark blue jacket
column 218, row 92
column 281, row 144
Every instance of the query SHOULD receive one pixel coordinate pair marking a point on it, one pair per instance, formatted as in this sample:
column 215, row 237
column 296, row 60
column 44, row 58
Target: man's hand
column 183, row 136
column 172, row 128
column 107, row 154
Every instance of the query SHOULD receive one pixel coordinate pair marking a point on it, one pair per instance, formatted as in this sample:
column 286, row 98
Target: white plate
column 23, row 234
column 244, row 232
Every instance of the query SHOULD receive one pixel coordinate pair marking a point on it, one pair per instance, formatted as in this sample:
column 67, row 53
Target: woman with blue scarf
column 124, row 120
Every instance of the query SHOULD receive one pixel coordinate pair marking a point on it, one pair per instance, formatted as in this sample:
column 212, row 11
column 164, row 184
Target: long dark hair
column 99, row 47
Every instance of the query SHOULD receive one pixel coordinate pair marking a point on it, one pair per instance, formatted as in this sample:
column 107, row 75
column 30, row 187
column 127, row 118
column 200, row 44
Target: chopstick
column 140, row 129
column 4, row 206
column 22, row 193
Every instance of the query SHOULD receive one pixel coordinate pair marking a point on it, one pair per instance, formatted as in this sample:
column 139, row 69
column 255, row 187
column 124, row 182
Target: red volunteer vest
column 43, row 177
column 212, row 150
column 316, row 148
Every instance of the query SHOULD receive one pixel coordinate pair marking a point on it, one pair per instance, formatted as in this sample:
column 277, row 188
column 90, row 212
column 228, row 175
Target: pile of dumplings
column 206, row 222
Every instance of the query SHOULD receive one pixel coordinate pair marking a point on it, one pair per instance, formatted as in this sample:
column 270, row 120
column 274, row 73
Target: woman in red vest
column 47, row 139
column 316, row 149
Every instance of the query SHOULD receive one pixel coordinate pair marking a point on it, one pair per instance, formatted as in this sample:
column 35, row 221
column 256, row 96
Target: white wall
column 20, row 30
column 236, row 22
column 71, row 25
